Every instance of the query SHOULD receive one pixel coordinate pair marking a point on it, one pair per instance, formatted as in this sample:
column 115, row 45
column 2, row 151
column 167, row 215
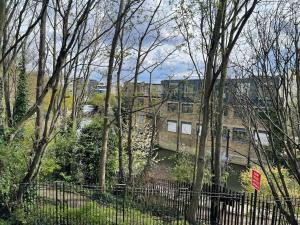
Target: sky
column 177, row 66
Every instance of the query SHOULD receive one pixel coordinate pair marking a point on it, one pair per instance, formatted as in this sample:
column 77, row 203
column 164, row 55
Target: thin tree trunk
column 153, row 127
column 103, row 154
column 297, row 71
column 217, row 153
column 32, row 170
column 212, row 134
column 219, row 117
column 6, row 87
column 178, row 124
column 131, row 112
column 40, row 79
column 191, row 214
column 6, row 83
column 120, row 119
column 2, row 17
column 2, row 22
column 129, row 142
column 38, row 146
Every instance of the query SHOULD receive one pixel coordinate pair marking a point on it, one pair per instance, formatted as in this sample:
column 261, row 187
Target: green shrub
column 87, row 153
column 59, row 162
column 91, row 213
column 74, row 158
column 292, row 185
column 13, row 165
column 184, row 167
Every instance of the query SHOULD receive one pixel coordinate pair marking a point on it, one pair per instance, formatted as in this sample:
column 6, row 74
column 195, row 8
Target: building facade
column 179, row 119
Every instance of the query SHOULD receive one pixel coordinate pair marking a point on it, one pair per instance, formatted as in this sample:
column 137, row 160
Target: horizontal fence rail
column 67, row 204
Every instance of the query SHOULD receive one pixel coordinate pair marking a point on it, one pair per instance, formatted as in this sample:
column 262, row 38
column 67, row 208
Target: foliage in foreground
column 184, row 167
column 292, row 185
column 13, row 164
column 91, row 213
column 75, row 158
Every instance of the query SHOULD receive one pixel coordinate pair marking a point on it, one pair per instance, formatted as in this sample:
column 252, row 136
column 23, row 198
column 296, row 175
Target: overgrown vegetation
column 292, row 185
column 73, row 158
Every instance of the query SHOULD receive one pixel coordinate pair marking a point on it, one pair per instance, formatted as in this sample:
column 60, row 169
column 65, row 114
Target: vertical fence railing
column 67, row 204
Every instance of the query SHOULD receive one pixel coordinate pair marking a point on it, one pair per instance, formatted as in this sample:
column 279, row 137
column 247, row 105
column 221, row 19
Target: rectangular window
column 187, row 108
column 244, row 88
column 262, row 137
column 173, row 89
column 198, row 129
column 188, row 89
column 172, row 107
column 172, row 126
column 140, row 101
column 225, row 132
column 225, row 111
column 186, row 128
column 236, row 112
column 239, row 134
column 141, row 119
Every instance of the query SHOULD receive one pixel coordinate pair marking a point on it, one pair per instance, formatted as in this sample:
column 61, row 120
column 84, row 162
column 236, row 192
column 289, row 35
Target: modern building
column 180, row 123
column 179, row 120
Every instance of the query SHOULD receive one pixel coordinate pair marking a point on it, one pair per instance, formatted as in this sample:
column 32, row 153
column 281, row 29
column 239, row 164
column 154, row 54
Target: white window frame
column 141, row 118
column 186, row 127
column 199, row 128
column 263, row 136
column 172, row 126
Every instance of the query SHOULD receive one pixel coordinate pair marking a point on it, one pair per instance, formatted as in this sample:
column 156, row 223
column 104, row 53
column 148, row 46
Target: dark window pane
column 225, row 132
column 239, row 134
column 187, row 108
column 172, row 107
column 225, row 111
column 140, row 101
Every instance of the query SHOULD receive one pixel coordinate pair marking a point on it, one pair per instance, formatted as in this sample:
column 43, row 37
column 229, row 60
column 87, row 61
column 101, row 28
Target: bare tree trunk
column 32, row 170
column 2, row 16
column 40, row 79
column 297, row 69
column 6, row 88
column 217, row 152
column 178, row 123
column 2, row 22
column 120, row 118
column 6, row 83
column 103, row 154
column 212, row 133
column 153, row 127
column 205, row 121
column 129, row 141
column 38, row 145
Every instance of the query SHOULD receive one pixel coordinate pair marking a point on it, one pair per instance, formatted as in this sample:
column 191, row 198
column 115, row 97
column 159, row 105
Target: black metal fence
column 66, row 204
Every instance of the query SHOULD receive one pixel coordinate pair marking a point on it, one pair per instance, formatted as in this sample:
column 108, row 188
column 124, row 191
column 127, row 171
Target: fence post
column 178, row 206
column 179, row 202
column 254, row 207
column 185, row 204
column 63, row 203
column 123, row 202
column 117, row 193
column 56, row 203
column 120, row 188
column 242, row 208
